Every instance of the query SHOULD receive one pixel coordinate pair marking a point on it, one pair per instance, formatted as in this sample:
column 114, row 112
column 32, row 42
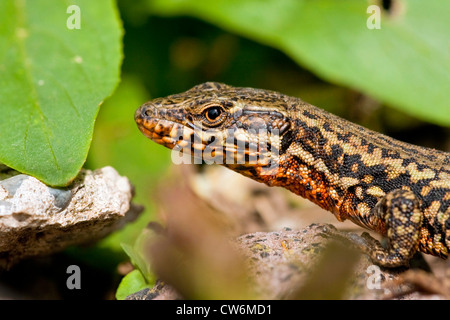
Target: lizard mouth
column 168, row 133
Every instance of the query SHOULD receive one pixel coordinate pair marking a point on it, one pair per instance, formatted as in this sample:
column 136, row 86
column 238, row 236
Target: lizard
column 399, row 190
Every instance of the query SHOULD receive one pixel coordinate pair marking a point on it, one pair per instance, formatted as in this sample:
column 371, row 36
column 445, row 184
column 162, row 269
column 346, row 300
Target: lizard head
column 219, row 123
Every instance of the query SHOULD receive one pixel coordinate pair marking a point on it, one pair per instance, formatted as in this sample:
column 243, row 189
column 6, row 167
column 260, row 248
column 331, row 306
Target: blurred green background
column 171, row 46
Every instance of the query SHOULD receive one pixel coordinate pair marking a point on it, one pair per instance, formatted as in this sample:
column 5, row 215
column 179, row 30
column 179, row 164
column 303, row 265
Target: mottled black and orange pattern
column 397, row 189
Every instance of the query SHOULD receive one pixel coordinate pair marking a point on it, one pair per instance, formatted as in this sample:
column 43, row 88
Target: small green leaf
column 131, row 283
column 141, row 277
column 52, row 81
column 406, row 63
column 134, row 252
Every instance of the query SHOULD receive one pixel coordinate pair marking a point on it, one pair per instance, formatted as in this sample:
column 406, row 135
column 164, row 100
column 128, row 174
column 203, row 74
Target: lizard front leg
column 400, row 212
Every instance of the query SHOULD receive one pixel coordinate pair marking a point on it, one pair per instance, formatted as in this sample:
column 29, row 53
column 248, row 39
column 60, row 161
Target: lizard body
column 399, row 190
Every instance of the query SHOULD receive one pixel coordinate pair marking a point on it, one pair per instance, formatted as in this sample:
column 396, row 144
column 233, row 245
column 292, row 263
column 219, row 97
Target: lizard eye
column 214, row 114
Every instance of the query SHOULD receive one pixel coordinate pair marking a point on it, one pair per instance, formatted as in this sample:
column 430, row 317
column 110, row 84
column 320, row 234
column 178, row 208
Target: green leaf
column 141, row 277
column 131, row 283
column 406, row 63
column 52, row 81
column 138, row 260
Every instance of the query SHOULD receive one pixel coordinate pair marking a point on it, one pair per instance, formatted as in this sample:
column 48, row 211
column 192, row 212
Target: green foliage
column 52, row 81
column 406, row 63
column 131, row 283
column 141, row 277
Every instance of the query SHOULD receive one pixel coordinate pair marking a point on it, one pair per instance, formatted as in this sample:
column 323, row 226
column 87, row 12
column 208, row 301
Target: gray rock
column 36, row 219
column 305, row 264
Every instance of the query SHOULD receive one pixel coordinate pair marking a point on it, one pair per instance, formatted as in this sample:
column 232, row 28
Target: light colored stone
column 36, row 219
column 299, row 264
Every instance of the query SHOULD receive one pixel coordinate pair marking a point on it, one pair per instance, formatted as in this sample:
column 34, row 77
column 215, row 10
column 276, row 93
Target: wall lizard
column 398, row 190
